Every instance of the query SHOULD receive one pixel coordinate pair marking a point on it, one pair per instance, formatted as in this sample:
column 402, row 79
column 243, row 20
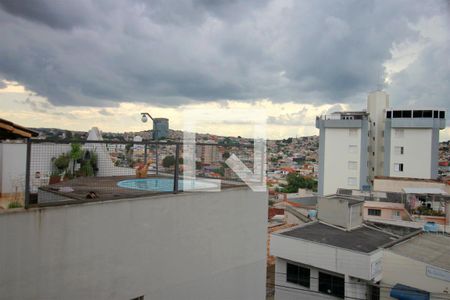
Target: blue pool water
column 163, row 184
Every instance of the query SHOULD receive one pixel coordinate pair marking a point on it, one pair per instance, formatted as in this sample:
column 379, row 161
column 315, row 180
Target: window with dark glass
column 298, row 275
column 442, row 114
column 389, row 114
column 374, row 292
column 435, row 114
column 397, row 113
column 427, row 113
column 331, row 285
column 406, row 114
column 417, row 114
column 374, row 212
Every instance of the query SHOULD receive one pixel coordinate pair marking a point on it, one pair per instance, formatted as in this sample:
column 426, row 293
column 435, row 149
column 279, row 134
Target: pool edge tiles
column 165, row 184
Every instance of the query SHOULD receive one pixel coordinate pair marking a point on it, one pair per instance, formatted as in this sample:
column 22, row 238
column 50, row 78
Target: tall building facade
column 355, row 147
column 411, row 139
column 342, row 151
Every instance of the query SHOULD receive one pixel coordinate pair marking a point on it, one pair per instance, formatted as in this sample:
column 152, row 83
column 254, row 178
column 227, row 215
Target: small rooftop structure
column 345, row 115
column 9, row 130
column 342, row 211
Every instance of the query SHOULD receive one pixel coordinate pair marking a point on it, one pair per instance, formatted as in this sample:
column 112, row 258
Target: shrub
column 14, row 204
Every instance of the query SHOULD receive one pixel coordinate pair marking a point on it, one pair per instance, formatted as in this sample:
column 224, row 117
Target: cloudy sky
column 78, row 64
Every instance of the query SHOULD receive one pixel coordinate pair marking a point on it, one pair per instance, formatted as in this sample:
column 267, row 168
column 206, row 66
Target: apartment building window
column 374, row 212
column 398, row 167
column 399, row 150
column 399, row 133
column 396, row 214
column 351, row 181
column 352, row 148
column 331, row 285
column 352, row 132
column 298, row 275
column 352, row 165
column 397, row 114
column 427, row 113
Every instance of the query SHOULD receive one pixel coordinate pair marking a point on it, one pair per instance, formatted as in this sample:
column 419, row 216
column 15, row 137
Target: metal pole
column 156, row 153
column 177, row 167
column 145, row 154
column 27, row 174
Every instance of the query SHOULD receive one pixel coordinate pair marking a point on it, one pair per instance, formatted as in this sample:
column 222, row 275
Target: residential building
column 412, row 142
column 337, row 257
column 387, row 141
column 342, row 151
column 377, row 103
column 397, row 185
column 417, row 268
column 378, row 210
column 208, row 154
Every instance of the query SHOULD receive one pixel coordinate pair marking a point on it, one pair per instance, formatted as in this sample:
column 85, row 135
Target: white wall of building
column 325, row 257
column 186, row 246
column 12, row 168
column 416, row 158
column 285, row 290
column 396, row 266
column 377, row 102
column 397, row 185
column 338, row 153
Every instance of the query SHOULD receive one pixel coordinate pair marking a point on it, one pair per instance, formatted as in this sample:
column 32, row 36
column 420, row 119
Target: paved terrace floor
column 105, row 188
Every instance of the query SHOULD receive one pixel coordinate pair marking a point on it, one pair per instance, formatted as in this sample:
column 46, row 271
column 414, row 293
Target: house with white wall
column 417, row 268
column 337, row 257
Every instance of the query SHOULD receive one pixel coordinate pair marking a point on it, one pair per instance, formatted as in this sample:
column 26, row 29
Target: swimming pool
column 164, row 184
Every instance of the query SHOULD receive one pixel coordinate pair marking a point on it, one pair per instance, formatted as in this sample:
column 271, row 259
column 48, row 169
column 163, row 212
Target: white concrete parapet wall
column 185, row 246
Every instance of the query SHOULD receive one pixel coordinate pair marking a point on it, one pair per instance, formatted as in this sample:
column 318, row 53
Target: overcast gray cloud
column 164, row 52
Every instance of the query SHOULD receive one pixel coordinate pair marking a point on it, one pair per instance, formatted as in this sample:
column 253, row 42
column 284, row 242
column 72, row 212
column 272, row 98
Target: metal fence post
column 157, row 159
column 145, row 153
column 27, row 174
column 177, row 169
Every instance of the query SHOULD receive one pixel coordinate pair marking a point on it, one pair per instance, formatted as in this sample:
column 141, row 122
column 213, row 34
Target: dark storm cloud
column 426, row 82
column 98, row 53
column 56, row 14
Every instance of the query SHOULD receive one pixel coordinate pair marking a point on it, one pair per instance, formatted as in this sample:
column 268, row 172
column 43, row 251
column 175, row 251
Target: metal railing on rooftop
column 61, row 172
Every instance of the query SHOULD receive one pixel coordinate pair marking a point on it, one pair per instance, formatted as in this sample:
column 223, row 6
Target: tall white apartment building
column 411, row 142
column 342, row 151
column 354, row 147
